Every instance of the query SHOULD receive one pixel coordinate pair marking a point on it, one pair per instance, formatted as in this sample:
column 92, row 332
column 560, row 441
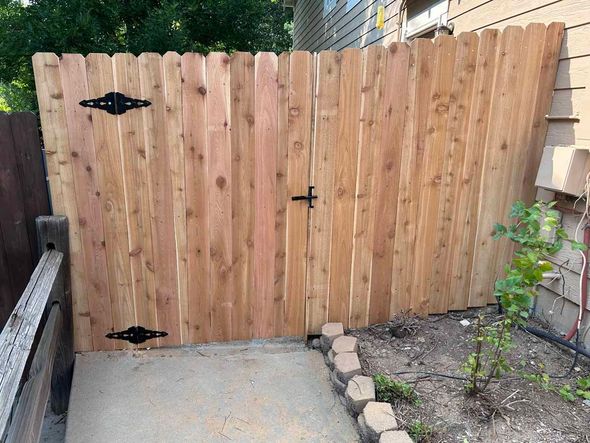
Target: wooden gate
column 181, row 212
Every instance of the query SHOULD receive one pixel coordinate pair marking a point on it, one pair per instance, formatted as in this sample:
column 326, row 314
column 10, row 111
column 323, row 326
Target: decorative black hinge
column 136, row 334
column 115, row 103
column 309, row 197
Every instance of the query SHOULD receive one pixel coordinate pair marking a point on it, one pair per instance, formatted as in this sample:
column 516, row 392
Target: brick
column 376, row 418
column 346, row 366
column 360, row 391
column 395, row 437
column 330, row 332
column 345, row 344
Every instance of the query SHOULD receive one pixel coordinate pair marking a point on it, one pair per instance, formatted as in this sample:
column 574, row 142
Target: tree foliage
column 84, row 26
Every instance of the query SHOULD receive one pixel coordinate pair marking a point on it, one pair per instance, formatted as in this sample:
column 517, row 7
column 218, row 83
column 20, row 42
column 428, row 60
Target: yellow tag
column 380, row 17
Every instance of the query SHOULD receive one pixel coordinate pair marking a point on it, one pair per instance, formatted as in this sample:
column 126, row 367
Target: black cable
column 433, row 374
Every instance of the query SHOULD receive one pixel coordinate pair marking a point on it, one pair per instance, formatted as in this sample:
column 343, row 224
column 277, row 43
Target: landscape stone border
column 376, row 420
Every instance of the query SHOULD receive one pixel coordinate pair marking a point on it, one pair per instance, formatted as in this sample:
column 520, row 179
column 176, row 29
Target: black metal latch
column 136, row 334
column 309, row 197
column 115, row 103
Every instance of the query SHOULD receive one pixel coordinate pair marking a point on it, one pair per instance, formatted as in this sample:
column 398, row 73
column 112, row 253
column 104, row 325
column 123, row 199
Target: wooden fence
column 23, row 196
column 182, row 218
column 36, row 344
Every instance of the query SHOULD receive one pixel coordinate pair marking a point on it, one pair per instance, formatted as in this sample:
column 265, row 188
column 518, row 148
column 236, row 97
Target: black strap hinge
column 136, row 334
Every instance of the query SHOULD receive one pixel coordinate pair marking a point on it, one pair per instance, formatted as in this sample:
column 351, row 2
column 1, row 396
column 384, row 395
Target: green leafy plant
column 391, row 391
column 584, row 388
column 420, row 432
column 515, row 292
column 566, row 393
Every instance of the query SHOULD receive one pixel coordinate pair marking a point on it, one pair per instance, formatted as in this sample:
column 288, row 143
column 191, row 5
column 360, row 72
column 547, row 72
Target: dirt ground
column 513, row 409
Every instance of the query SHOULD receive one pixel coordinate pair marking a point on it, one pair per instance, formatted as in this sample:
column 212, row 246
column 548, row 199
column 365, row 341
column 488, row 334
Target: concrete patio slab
column 264, row 391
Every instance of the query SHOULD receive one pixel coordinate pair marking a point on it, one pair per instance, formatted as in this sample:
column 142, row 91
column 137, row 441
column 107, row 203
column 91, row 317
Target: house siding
column 341, row 29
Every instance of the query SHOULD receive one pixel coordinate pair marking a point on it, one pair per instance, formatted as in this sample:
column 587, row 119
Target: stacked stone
column 376, row 420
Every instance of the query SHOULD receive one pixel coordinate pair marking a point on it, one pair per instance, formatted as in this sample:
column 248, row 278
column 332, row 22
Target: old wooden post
column 52, row 233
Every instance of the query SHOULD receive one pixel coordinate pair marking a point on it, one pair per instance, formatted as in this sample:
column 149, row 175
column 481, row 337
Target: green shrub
column 391, row 391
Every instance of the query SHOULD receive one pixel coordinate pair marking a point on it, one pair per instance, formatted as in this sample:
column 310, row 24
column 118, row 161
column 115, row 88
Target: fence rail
column 30, row 370
column 182, row 212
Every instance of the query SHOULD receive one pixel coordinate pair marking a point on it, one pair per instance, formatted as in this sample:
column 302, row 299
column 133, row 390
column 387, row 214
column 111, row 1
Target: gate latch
column 136, row 334
column 309, row 197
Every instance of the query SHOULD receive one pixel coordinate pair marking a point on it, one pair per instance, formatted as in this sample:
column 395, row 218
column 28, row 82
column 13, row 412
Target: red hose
column 584, row 294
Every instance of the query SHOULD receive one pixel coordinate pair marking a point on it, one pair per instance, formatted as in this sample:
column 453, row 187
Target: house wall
column 341, row 29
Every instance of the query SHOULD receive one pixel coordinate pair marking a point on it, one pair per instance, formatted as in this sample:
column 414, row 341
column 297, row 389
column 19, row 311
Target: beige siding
column 341, row 29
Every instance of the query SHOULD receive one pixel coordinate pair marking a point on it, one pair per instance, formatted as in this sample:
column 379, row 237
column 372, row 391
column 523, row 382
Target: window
column 351, row 4
column 328, row 6
column 423, row 17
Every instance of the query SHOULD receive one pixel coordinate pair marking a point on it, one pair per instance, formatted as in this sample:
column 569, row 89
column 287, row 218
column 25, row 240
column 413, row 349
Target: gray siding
column 341, row 29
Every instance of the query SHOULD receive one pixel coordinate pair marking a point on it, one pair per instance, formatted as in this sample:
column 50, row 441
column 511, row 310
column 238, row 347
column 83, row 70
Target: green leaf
column 577, row 246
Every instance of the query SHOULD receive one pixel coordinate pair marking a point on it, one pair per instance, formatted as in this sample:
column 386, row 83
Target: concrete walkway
column 271, row 391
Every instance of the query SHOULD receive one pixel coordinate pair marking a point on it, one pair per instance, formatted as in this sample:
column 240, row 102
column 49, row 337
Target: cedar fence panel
column 182, row 214
column 23, row 197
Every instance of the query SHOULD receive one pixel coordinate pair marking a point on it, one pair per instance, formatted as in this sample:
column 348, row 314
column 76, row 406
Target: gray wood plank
column 18, row 336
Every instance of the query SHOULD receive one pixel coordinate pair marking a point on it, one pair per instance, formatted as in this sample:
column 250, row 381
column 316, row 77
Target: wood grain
column 298, row 152
column 265, row 153
column 388, row 162
column 243, row 194
column 181, row 212
column 506, row 98
column 344, row 187
column 164, row 265
column 137, row 198
column 99, row 72
column 322, row 177
column 281, row 194
column 88, row 199
column 429, row 203
column 450, row 211
column 50, row 97
column 411, row 164
column 467, row 206
column 194, row 103
column 370, row 132
column 220, row 202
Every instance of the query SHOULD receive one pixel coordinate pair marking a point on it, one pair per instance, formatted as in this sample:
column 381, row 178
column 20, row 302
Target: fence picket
column 99, row 72
column 266, row 131
column 137, row 199
column 322, row 177
column 345, row 163
column 298, row 159
column 243, row 119
column 372, row 88
column 467, row 207
column 152, row 80
column 194, row 103
column 487, row 262
column 387, row 172
column 88, row 201
column 282, row 196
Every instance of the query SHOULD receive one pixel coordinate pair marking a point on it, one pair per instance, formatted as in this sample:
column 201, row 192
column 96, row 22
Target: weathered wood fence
column 182, row 218
column 23, row 196
column 36, row 344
